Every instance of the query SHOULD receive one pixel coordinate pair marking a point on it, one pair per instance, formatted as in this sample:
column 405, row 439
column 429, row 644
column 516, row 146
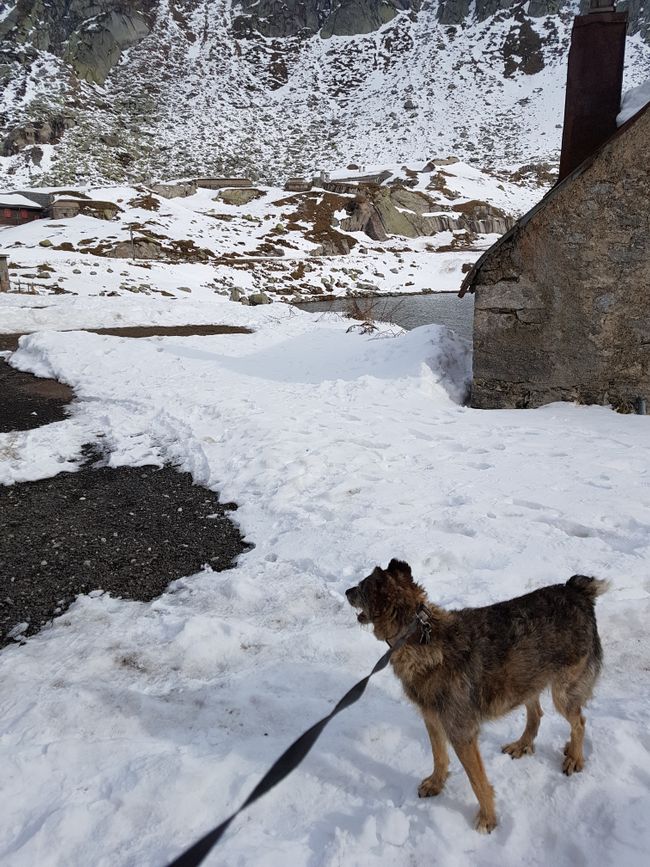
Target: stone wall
column 562, row 307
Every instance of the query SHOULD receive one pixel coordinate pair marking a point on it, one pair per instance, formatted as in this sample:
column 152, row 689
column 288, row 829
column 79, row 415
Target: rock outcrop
column 88, row 34
column 384, row 211
column 307, row 17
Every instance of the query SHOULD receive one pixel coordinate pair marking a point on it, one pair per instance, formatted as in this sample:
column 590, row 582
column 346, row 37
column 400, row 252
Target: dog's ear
column 400, row 570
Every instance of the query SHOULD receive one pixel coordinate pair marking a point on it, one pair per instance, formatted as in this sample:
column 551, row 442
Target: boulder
column 239, row 196
column 259, row 298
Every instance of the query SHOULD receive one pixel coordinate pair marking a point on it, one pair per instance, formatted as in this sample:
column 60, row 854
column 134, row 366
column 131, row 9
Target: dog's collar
column 421, row 622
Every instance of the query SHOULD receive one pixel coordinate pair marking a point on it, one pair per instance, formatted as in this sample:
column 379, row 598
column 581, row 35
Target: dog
column 476, row 664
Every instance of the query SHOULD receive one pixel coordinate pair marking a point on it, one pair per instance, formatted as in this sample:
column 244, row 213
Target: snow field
column 129, row 729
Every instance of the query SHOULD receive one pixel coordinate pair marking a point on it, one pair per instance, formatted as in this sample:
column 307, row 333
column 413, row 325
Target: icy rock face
column 88, row 34
column 306, row 17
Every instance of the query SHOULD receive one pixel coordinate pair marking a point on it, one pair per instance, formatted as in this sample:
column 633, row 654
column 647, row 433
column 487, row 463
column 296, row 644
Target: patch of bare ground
column 27, row 401
column 10, row 341
column 128, row 531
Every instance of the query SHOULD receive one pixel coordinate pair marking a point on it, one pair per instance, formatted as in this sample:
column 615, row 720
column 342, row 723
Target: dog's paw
column 517, row 749
column 571, row 764
column 431, row 786
column 485, row 823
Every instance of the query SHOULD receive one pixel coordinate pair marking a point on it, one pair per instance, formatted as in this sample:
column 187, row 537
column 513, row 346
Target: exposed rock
column 239, row 196
column 258, row 298
column 307, row 17
column 174, row 191
column 94, row 49
column 89, row 34
column 384, row 211
column 522, row 48
column 38, row 132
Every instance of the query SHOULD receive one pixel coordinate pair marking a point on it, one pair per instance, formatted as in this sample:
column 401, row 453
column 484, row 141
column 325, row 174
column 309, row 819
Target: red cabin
column 16, row 209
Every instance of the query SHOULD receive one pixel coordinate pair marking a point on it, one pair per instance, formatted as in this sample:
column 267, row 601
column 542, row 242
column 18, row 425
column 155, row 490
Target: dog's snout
column 351, row 594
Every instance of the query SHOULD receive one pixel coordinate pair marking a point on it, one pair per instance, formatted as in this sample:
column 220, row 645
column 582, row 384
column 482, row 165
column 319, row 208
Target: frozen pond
column 410, row 311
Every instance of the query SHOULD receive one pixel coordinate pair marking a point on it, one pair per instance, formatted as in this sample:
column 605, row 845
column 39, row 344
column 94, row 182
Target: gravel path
column 129, row 531
column 27, row 402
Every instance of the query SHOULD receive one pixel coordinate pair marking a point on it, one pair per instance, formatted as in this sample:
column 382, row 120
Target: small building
column 222, row 183
column 4, row 273
column 562, row 307
column 16, row 209
column 298, row 185
column 342, row 187
column 64, row 207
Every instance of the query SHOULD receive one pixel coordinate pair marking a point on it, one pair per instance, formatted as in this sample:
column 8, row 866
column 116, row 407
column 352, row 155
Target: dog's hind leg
column 470, row 758
column 570, row 691
column 526, row 743
column 434, row 784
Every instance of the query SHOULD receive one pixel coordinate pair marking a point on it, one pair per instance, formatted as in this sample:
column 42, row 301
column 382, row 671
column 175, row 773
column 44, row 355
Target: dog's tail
column 589, row 587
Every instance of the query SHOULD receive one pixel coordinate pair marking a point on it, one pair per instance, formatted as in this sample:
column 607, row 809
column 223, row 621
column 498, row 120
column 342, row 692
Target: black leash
column 291, row 758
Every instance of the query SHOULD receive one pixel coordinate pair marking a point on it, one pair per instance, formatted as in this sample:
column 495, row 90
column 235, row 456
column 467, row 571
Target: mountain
column 113, row 91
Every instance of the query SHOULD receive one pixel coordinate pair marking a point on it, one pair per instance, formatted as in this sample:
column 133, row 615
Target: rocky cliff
column 128, row 89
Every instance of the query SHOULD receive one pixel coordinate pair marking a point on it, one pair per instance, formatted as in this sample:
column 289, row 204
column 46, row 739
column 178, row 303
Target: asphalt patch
column 27, row 401
column 127, row 530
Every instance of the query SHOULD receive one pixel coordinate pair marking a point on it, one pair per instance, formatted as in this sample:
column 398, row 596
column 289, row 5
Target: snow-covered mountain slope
column 106, row 90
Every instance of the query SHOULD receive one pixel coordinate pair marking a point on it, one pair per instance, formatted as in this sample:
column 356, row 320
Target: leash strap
column 288, row 761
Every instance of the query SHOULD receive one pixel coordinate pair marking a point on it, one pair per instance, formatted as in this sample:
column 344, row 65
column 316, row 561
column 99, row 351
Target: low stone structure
column 341, row 188
column 562, row 308
column 298, row 185
column 222, row 183
column 4, row 273
column 70, row 206
column 174, row 190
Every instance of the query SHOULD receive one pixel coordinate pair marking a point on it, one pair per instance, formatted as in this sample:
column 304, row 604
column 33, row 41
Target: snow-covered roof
column 633, row 101
column 15, row 200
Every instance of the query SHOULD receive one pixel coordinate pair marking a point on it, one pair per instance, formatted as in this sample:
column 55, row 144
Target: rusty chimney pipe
column 594, row 82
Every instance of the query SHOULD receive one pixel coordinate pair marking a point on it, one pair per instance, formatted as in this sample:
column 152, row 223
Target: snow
column 129, row 729
column 15, row 200
column 633, row 101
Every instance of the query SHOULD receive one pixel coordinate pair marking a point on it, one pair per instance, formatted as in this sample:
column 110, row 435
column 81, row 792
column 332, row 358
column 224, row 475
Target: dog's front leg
column 435, row 783
column 470, row 757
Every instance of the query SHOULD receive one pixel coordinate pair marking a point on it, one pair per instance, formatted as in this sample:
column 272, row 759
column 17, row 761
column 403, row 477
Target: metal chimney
column 594, row 82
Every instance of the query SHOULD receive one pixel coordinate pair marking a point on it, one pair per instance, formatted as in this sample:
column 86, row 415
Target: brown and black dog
column 480, row 663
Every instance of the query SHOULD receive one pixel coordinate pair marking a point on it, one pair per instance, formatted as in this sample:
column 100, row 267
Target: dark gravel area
column 27, row 402
column 10, row 341
column 128, row 531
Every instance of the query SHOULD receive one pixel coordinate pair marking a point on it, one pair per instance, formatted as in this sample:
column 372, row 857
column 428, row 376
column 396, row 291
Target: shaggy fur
column 480, row 663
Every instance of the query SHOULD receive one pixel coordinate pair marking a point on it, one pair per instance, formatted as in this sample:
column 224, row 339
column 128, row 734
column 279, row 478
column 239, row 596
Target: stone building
column 222, row 183
column 298, row 185
column 63, row 207
column 562, row 300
